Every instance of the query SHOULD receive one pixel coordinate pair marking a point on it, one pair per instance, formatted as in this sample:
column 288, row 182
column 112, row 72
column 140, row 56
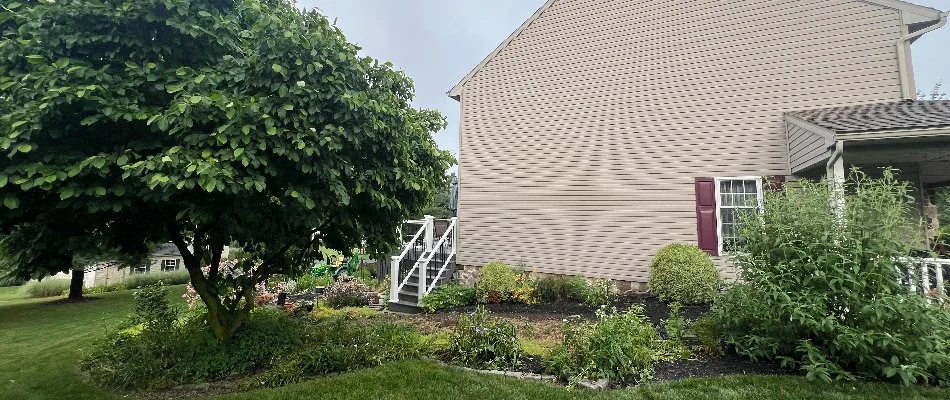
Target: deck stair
column 427, row 257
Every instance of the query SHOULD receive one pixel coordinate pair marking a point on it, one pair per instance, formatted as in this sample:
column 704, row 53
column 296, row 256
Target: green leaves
column 11, row 202
column 254, row 109
column 824, row 290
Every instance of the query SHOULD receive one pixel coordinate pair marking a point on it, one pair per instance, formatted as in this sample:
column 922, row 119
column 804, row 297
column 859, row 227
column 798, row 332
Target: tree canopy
column 207, row 122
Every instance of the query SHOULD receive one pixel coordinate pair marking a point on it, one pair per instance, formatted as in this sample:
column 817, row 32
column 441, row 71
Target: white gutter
column 835, row 155
column 904, row 65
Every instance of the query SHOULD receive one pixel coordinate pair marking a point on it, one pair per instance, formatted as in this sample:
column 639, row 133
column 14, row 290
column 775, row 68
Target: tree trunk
column 75, row 285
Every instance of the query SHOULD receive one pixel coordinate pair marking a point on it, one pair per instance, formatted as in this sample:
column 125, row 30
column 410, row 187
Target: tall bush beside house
column 821, row 289
column 685, row 274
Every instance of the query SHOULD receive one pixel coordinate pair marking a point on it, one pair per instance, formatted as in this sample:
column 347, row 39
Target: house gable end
column 456, row 91
column 916, row 16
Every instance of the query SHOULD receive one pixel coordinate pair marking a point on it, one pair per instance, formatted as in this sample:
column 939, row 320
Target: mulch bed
column 653, row 308
column 700, row 365
column 703, row 365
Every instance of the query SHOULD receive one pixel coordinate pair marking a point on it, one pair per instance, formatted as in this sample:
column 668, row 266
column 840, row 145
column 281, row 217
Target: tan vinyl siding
column 581, row 138
column 806, row 149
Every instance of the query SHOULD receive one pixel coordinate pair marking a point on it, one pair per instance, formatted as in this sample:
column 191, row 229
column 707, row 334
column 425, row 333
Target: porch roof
column 812, row 133
column 904, row 115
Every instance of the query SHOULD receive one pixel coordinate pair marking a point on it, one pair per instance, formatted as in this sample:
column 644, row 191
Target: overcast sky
column 437, row 42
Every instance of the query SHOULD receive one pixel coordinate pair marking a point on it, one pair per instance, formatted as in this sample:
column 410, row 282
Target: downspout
column 904, row 66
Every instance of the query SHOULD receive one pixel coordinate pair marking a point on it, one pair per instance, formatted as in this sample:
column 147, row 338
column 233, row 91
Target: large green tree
column 207, row 122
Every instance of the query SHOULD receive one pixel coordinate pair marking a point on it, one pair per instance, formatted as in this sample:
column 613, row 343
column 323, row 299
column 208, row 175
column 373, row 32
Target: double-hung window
column 735, row 196
column 170, row 265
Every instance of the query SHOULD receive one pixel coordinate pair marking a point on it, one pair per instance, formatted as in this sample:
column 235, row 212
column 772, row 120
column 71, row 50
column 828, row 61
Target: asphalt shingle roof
column 880, row 117
column 166, row 250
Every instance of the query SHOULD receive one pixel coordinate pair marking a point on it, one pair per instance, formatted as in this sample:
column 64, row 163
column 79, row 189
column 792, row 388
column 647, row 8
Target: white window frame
column 165, row 262
column 759, row 198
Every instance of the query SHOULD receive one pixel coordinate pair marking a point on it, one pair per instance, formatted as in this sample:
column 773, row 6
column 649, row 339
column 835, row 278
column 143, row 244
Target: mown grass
column 42, row 339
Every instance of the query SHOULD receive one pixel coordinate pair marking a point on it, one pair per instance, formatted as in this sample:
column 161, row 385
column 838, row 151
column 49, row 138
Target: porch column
column 836, row 176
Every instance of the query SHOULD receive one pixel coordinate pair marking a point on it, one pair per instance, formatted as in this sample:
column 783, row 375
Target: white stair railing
column 450, row 234
column 421, row 267
column 395, row 262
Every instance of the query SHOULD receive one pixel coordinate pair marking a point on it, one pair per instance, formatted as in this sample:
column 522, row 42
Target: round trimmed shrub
column 685, row 274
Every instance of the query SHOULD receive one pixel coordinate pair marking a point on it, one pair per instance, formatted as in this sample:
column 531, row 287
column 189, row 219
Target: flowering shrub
column 348, row 292
column 599, row 293
column 480, row 341
column 524, row 291
column 228, row 270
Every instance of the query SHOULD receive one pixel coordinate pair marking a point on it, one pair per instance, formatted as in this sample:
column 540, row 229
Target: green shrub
column 7, row 280
column 447, row 296
column 496, row 283
column 822, row 290
column 269, row 334
column 685, row 274
column 341, row 345
column 99, row 289
column 169, row 278
column 348, row 292
column 615, row 346
column 140, row 355
column 551, row 288
column 135, row 281
column 310, row 282
column 324, row 312
column 49, row 287
column 708, row 335
column 482, row 341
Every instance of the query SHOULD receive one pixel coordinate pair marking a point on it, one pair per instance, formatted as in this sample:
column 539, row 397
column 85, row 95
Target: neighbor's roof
column 915, row 15
column 905, row 115
column 166, row 250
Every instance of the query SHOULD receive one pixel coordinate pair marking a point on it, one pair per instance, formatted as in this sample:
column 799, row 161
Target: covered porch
column 910, row 136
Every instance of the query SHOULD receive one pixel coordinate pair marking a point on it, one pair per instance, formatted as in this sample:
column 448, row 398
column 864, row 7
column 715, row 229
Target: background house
column 165, row 257
column 600, row 131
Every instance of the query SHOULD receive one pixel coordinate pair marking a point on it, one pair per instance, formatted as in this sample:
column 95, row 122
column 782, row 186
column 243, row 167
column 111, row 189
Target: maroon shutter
column 706, row 227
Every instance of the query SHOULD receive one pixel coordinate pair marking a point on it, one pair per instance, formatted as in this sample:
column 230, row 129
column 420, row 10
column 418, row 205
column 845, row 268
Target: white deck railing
column 920, row 271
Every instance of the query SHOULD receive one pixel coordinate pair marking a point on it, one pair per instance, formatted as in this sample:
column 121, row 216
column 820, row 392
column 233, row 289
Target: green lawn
column 40, row 341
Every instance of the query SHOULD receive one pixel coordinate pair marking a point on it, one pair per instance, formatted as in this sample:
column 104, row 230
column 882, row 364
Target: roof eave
column 895, row 133
column 910, row 13
column 456, row 91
